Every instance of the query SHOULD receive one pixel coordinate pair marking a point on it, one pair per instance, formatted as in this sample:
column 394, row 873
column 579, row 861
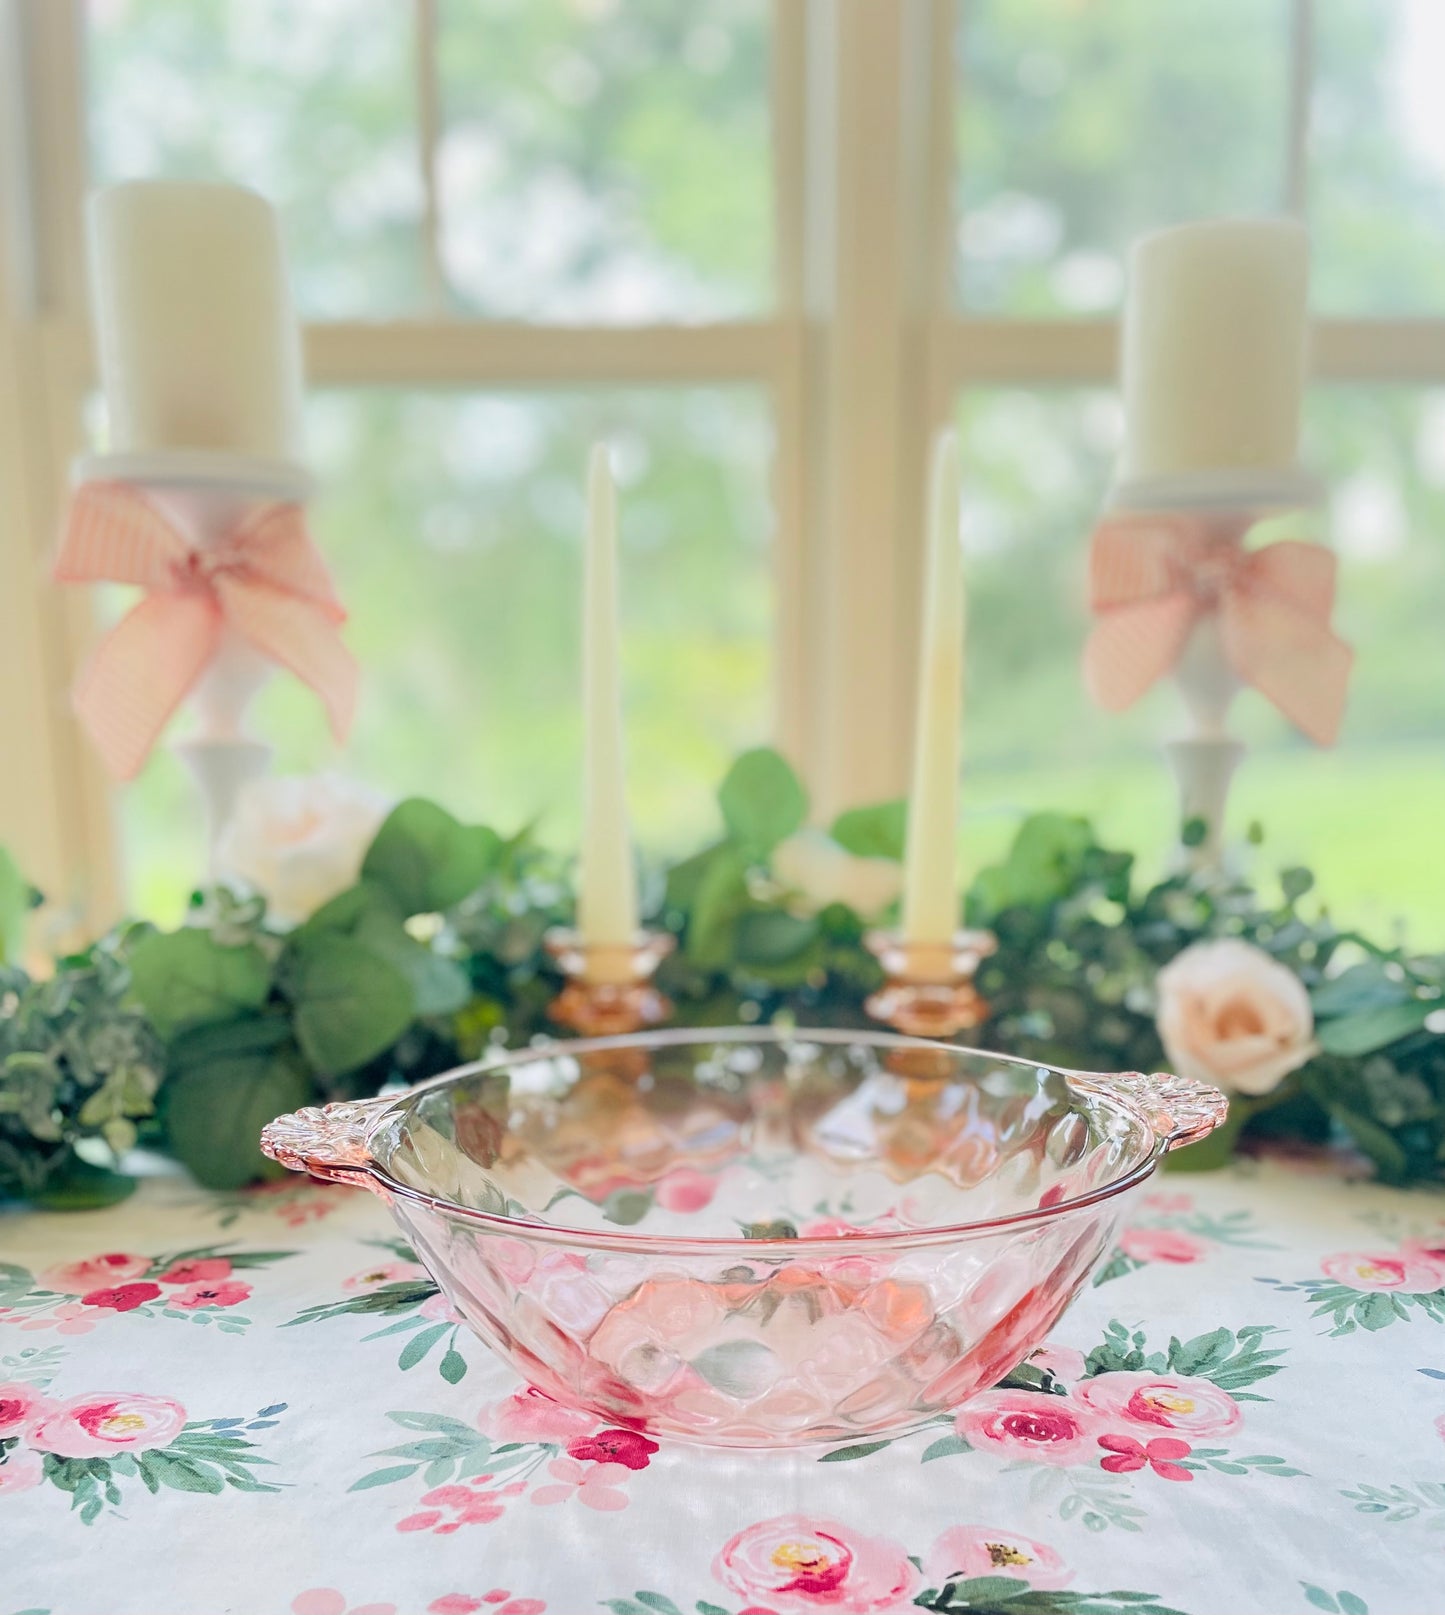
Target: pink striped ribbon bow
column 1152, row 578
column 265, row 580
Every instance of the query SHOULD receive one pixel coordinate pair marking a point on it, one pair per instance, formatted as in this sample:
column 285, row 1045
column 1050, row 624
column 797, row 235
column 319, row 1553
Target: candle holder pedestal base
column 929, row 991
column 609, row 989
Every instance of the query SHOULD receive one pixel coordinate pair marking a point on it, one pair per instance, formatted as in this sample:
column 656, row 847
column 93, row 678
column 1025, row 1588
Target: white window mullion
column 58, row 815
column 428, row 143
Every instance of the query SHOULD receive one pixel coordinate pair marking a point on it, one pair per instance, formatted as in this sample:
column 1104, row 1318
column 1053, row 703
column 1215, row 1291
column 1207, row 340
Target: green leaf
column 1366, row 985
column 383, row 1477
column 453, row 1366
column 1372, row 1029
column 186, row 978
column 1194, row 832
column 15, row 1281
column 350, row 1005
column 369, row 915
column 627, row 1206
column 762, row 801
column 862, row 1449
column 214, row 1110
column 721, row 896
column 873, row 832
column 945, row 1447
column 420, row 1344
column 657, row 1601
column 1352, row 1605
column 14, row 906
column 1320, row 1598
column 771, row 937
column 1295, row 882
column 426, row 861
column 81, row 1186
column 1044, row 864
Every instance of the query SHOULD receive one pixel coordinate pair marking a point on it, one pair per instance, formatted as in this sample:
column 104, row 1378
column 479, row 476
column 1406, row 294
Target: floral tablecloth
column 260, row 1404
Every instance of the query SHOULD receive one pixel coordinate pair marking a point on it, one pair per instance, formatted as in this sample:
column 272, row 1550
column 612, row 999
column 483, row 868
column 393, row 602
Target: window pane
column 453, row 521
column 1377, row 171
column 1081, row 126
column 1364, row 815
column 312, row 105
column 606, row 160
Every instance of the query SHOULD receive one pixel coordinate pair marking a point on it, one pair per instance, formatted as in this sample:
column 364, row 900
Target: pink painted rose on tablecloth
column 969, row 1551
column 69, row 1318
column 21, row 1408
column 529, row 1415
column 100, row 1425
column 1063, row 1362
column 792, row 1564
column 496, row 1602
column 122, row 1297
column 448, row 1508
column 596, row 1485
column 1023, row 1424
column 327, row 1601
column 685, row 1189
column 206, row 1270
column 439, row 1310
column 21, row 1470
column 372, row 1278
column 1430, row 1246
column 1126, row 1454
column 193, row 1297
column 625, row 1447
column 93, row 1273
column 1161, row 1245
column 1195, row 1407
column 1404, row 1270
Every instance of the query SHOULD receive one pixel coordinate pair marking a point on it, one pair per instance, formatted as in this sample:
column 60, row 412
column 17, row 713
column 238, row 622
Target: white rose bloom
column 299, row 840
column 1231, row 1015
column 814, row 867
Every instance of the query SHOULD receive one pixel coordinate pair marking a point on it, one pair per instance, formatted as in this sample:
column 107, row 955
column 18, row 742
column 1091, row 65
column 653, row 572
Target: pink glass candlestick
column 929, row 990
column 609, row 989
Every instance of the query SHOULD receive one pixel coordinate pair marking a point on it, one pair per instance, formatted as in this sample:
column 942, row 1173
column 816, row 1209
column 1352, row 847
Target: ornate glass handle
column 1179, row 1109
column 328, row 1141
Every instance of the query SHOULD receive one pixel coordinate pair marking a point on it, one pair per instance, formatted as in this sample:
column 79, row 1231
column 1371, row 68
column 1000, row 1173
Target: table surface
column 257, row 1403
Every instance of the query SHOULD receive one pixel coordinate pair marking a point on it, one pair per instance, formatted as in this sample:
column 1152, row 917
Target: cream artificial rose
column 1231, row 1015
column 299, row 840
column 818, row 871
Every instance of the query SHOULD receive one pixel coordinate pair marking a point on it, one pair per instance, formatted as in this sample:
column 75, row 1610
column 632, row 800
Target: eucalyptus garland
column 187, row 1041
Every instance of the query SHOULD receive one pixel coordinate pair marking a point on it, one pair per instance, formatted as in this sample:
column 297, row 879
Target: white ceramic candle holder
column 1206, row 758
column 205, row 494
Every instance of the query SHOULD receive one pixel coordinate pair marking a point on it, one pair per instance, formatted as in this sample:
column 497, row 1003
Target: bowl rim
column 623, row 1239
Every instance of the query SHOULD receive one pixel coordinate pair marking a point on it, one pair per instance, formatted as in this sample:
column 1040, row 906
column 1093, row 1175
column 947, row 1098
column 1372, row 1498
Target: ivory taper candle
column 197, row 340
column 930, row 876
column 607, row 890
column 1214, row 348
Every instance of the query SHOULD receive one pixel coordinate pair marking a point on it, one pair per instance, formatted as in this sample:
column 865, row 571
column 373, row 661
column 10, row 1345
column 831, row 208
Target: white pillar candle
column 1214, row 348
column 197, row 339
column 930, row 878
column 607, row 891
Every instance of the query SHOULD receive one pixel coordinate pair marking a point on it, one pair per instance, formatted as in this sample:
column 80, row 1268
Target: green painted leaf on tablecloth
column 945, row 1447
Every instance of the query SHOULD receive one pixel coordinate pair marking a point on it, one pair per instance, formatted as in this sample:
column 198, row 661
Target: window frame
column 863, row 357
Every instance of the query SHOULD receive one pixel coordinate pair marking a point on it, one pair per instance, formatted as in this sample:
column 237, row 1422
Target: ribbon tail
column 141, row 672
column 301, row 635
column 1292, row 658
column 1131, row 647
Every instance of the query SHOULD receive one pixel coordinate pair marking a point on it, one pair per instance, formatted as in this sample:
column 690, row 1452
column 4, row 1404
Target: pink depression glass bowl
column 757, row 1238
